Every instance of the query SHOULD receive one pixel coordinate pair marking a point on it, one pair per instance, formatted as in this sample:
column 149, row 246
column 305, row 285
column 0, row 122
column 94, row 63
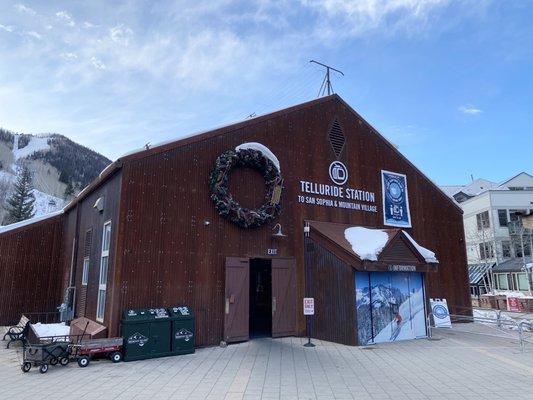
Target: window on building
column 506, row 249
column 85, row 273
column 522, row 282
column 483, row 220
column 502, row 217
column 486, row 250
column 104, row 266
column 502, row 281
column 513, row 216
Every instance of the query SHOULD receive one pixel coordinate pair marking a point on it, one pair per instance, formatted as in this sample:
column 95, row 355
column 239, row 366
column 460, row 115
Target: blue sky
column 449, row 81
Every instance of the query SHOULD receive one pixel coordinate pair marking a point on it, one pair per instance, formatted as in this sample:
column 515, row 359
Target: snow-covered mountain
column 60, row 167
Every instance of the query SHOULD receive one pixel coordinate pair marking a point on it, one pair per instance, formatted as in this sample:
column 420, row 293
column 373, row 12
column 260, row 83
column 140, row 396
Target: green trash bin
column 146, row 334
column 182, row 330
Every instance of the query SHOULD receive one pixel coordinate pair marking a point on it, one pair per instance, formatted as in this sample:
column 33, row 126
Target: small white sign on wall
column 441, row 315
column 309, row 306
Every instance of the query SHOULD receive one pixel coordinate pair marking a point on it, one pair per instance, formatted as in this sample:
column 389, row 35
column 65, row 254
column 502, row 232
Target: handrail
column 488, row 309
column 519, row 326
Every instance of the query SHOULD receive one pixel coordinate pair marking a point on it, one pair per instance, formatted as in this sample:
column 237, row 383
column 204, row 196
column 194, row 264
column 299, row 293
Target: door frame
column 228, row 320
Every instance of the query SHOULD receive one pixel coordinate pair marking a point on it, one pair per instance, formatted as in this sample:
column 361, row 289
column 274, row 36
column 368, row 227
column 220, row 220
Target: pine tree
column 69, row 191
column 20, row 203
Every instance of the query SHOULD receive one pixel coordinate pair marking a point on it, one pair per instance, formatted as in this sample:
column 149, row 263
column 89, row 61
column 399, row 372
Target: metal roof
column 476, row 272
column 512, row 265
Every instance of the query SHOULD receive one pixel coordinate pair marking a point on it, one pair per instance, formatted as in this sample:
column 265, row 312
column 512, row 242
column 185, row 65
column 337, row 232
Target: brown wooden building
column 148, row 234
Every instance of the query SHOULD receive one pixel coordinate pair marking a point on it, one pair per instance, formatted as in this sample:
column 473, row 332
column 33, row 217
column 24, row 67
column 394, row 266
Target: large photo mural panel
column 390, row 306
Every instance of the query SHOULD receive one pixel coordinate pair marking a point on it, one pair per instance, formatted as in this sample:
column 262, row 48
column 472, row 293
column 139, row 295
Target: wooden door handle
column 227, row 306
column 273, row 305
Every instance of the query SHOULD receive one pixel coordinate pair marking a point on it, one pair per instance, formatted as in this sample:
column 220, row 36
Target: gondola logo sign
column 184, row 334
column 138, row 339
column 338, row 173
column 395, row 199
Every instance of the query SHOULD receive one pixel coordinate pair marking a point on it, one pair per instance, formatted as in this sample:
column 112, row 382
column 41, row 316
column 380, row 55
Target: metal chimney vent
column 336, row 138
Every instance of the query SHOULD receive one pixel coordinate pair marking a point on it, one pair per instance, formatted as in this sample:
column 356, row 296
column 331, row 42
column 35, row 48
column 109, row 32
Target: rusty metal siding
column 159, row 202
column 331, row 282
column 89, row 219
column 31, row 276
column 168, row 255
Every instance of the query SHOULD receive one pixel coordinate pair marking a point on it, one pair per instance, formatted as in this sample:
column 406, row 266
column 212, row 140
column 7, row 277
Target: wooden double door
column 272, row 280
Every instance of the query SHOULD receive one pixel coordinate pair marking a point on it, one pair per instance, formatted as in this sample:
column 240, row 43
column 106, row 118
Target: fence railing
column 504, row 326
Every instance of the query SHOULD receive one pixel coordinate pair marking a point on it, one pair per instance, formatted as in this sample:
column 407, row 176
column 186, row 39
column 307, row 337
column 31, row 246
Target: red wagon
column 87, row 349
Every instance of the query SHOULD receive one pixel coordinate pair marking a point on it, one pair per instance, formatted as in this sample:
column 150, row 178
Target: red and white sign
column 514, row 304
column 309, row 306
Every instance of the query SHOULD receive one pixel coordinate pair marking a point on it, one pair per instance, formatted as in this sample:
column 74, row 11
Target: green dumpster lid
column 145, row 314
column 180, row 312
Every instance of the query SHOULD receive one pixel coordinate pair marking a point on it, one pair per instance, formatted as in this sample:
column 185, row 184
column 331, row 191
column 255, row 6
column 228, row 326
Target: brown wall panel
column 330, row 282
column 91, row 220
column 31, row 276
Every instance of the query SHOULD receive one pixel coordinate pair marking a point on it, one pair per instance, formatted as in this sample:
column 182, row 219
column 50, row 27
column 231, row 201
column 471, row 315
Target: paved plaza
column 454, row 365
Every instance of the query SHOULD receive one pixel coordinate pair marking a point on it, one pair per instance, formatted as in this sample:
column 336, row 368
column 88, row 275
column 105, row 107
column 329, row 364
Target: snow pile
column 428, row 255
column 46, row 330
column 366, row 243
column 490, row 317
column 261, row 148
column 511, row 293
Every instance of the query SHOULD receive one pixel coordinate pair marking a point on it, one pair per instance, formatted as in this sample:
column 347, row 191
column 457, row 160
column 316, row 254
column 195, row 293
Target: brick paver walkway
column 456, row 365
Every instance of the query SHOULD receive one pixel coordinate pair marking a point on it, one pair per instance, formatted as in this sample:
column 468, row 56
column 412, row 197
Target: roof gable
column 397, row 246
column 523, row 179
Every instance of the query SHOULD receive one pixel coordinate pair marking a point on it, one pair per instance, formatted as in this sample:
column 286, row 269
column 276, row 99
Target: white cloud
column 470, row 110
column 33, row 34
column 24, row 9
column 121, row 34
column 63, row 15
column 89, row 25
column 68, row 56
column 345, row 18
column 98, row 64
column 6, row 28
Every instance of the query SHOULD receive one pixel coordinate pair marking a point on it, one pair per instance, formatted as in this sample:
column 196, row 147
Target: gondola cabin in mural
column 240, row 224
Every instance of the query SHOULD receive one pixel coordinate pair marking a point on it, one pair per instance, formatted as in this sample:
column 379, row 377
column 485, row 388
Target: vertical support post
column 521, row 336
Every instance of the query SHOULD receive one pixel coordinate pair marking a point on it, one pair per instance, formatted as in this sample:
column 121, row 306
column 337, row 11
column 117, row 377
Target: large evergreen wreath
column 227, row 206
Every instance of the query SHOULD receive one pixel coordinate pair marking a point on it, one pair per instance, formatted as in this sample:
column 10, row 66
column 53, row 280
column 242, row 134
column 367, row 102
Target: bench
column 18, row 332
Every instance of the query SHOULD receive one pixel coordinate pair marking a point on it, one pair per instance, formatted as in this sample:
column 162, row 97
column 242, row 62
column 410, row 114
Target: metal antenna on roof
column 326, row 82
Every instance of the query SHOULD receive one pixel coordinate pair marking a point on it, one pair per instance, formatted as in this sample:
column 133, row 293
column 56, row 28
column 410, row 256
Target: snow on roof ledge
column 30, row 221
column 366, row 243
column 428, row 255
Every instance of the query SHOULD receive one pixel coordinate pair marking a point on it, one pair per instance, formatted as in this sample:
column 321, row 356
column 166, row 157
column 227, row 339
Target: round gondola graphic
column 338, row 173
column 439, row 311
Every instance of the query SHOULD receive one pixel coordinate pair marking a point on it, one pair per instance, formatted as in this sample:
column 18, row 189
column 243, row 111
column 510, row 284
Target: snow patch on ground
column 45, row 330
column 263, row 149
column 46, row 203
column 36, row 143
column 366, row 243
column 489, row 317
column 510, row 293
column 428, row 255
